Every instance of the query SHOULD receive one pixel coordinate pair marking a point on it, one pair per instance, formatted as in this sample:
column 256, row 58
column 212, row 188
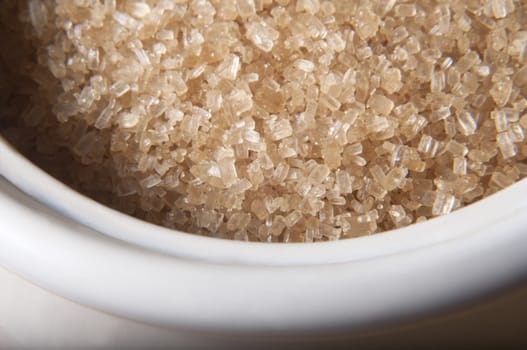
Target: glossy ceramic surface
column 90, row 254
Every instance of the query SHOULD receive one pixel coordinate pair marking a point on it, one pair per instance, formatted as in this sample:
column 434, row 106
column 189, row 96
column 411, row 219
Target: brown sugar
column 274, row 121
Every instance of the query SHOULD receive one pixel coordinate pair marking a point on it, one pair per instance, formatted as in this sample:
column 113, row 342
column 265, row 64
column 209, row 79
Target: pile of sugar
column 272, row 120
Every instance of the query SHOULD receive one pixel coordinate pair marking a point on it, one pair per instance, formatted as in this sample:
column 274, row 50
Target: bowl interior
column 465, row 221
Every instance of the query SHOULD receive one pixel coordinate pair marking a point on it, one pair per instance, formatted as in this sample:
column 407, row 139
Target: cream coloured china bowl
column 88, row 253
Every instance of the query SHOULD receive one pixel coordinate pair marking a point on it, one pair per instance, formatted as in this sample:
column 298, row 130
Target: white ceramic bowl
column 98, row 257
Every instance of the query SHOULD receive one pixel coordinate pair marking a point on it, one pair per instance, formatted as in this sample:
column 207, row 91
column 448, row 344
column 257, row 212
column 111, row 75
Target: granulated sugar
column 273, row 121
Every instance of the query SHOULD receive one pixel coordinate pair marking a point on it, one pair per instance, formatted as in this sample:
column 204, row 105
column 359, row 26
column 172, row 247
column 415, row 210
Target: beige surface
column 31, row 318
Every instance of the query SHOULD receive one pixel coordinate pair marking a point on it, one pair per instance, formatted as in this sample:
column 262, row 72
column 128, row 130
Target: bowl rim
column 479, row 250
column 46, row 189
column 95, row 270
